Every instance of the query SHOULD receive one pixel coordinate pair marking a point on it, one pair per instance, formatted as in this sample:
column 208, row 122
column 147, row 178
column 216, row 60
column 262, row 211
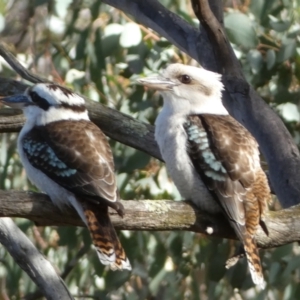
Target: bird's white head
column 188, row 90
column 44, row 103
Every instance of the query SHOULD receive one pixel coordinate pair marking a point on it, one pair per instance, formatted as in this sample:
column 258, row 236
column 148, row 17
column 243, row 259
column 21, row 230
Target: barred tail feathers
column 105, row 240
column 104, row 237
column 254, row 261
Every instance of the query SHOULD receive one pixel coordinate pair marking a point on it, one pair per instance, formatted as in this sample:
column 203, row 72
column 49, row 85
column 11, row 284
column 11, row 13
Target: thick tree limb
column 68, row 268
column 152, row 215
column 32, row 261
column 217, row 36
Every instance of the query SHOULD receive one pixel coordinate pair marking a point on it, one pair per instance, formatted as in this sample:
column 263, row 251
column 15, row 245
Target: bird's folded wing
column 225, row 156
column 74, row 154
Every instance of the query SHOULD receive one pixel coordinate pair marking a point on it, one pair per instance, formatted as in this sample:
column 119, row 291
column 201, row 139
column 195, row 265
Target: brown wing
column 234, row 146
column 74, row 154
column 226, row 156
column 238, row 151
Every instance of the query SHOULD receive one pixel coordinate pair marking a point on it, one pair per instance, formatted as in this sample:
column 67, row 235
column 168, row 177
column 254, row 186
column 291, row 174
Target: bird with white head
column 68, row 157
column 212, row 159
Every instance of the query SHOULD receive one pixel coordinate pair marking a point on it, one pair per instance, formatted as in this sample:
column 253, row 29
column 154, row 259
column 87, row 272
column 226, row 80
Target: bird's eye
column 34, row 97
column 186, row 79
column 39, row 101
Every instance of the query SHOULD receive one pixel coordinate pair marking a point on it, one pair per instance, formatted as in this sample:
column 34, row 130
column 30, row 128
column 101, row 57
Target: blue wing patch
column 44, row 158
column 211, row 166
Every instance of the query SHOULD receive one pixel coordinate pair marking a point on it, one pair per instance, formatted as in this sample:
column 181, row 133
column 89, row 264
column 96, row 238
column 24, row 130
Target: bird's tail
column 254, row 261
column 104, row 236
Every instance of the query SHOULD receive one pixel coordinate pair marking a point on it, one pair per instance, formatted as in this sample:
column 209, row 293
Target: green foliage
column 99, row 52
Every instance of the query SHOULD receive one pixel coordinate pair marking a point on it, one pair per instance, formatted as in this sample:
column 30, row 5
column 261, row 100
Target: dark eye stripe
column 44, row 104
column 39, row 101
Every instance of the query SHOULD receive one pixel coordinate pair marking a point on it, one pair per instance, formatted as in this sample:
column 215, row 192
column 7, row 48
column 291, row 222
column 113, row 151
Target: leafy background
column 99, row 52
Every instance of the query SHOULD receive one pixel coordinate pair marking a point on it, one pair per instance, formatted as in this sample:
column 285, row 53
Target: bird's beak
column 16, row 101
column 158, row 83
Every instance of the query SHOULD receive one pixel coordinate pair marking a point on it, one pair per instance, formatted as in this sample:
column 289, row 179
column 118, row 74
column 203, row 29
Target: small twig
column 13, row 62
column 265, row 46
column 72, row 263
column 239, row 253
column 233, row 260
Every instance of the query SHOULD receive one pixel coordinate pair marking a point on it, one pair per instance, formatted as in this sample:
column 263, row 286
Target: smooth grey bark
column 32, row 261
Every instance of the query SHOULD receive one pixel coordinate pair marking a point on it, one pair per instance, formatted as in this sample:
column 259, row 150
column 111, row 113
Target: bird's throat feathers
column 192, row 104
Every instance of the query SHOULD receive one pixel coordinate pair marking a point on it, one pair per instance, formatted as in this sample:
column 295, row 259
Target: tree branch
column 152, row 215
column 32, row 261
column 19, row 69
column 217, row 37
column 68, row 268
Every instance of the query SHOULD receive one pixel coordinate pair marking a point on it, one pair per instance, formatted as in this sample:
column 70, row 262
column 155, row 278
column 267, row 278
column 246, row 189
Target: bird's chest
column 172, row 140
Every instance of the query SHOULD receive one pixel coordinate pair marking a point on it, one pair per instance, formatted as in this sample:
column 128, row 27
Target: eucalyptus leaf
column 240, row 30
column 131, row 35
column 287, row 50
column 279, row 25
column 256, row 60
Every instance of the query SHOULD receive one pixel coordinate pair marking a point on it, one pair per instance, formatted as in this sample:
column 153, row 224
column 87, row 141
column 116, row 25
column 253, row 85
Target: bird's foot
column 118, row 207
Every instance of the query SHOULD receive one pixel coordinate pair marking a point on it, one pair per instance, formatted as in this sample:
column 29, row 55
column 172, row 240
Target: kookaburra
column 207, row 151
column 68, row 157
